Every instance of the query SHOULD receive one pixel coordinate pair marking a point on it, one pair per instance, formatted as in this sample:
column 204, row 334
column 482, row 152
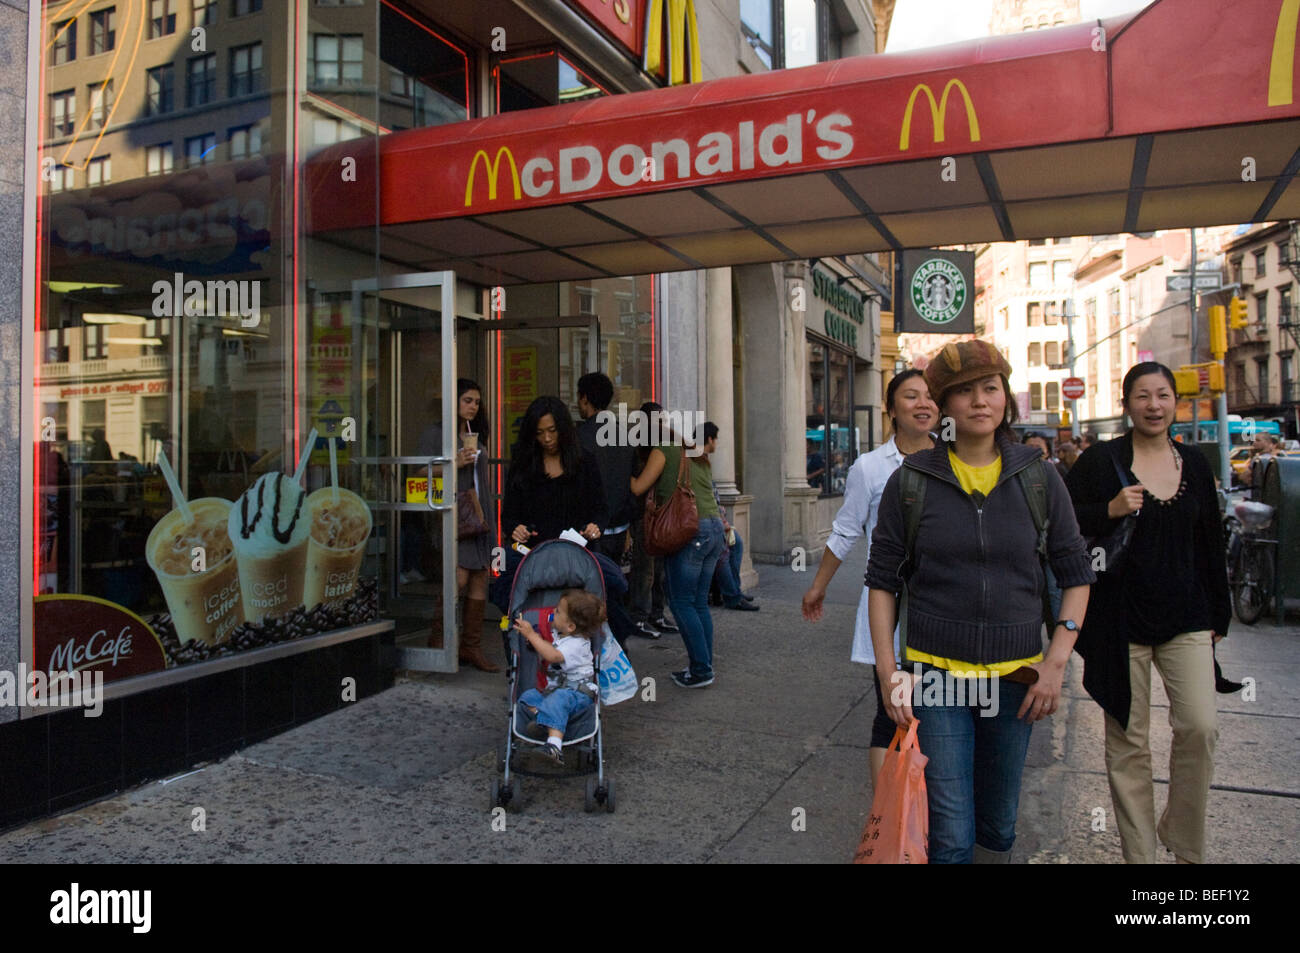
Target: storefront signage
column 935, row 292
column 842, row 326
column 520, row 386
column 938, row 112
column 621, row 19
column 82, row 633
column 683, row 31
column 122, row 388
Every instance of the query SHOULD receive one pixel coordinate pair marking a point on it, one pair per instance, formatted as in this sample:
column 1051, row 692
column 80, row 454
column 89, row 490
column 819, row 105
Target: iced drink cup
column 269, row 526
column 204, row 605
column 337, row 547
column 469, row 441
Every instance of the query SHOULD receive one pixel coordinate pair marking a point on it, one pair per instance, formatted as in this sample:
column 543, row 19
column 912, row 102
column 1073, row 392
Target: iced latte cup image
column 339, row 530
column 269, row 526
column 204, row 605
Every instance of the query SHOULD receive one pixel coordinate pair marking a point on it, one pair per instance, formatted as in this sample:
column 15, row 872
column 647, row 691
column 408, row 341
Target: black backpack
column 912, row 483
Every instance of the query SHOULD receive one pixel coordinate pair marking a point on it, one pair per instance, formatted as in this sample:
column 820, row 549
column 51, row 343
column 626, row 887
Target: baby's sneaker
column 554, row 753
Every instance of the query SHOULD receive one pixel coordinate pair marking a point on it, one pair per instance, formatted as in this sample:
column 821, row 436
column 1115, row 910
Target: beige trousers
column 1186, row 665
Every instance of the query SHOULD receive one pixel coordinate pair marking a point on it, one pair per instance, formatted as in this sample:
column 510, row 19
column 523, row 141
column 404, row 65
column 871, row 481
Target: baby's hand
column 524, row 626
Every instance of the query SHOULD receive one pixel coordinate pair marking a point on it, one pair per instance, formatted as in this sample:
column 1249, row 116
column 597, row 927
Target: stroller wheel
column 516, row 793
column 589, row 799
column 609, row 795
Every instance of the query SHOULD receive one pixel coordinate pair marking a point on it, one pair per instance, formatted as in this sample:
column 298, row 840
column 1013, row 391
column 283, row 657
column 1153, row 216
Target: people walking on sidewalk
column 1166, row 603
column 645, row 598
column 912, row 415
column 689, row 571
column 726, row 575
column 959, row 538
column 474, row 553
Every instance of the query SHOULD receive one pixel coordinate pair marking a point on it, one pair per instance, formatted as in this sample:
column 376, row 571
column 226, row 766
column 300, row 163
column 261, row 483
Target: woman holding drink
column 474, row 552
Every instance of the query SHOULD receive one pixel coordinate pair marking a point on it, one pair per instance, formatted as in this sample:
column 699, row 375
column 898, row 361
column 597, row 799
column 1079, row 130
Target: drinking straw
column 334, row 472
column 172, row 484
column 307, row 448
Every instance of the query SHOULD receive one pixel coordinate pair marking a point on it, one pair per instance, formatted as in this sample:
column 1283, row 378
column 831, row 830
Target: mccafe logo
column 581, row 168
column 82, row 633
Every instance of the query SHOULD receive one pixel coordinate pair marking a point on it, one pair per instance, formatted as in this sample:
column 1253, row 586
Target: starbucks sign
column 935, row 291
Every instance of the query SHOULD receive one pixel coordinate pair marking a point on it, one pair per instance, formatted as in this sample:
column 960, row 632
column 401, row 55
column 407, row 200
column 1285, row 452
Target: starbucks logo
column 938, row 291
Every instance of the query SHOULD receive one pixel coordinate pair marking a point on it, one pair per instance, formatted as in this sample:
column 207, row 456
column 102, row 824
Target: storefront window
column 832, row 438
column 541, row 79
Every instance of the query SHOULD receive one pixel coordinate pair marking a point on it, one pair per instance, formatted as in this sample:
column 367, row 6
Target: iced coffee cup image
column 469, row 441
column 269, row 526
column 204, row 605
column 340, row 526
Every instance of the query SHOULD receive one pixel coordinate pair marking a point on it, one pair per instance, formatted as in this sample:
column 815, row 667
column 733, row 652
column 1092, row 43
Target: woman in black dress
column 1166, row 603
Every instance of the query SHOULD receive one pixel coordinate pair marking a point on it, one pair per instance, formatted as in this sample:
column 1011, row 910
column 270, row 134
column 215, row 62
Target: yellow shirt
column 983, row 479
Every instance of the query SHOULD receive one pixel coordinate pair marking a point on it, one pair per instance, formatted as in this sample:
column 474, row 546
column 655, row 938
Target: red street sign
column 1072, row 388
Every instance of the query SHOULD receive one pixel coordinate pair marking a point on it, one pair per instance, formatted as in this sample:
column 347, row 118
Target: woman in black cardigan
column 1166, row 602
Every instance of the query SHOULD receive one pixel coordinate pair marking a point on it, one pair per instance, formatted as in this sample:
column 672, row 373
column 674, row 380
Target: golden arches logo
column 938, row 111
column 493, row 169
column 1281, row 69
column 682, row 25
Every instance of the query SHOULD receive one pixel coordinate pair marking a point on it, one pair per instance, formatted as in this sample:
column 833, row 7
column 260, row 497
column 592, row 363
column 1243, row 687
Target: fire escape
column 1287, row 319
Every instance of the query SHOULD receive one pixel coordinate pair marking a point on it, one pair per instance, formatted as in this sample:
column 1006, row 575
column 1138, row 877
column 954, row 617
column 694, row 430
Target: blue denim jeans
column 558, row 708
column 727, row 575
column 688, row 573
column 973, row 775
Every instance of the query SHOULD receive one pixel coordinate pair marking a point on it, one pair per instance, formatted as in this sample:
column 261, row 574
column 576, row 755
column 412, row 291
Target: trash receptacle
column 1282, row 492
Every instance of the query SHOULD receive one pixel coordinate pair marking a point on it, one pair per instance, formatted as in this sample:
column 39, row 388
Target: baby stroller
column 540, row 581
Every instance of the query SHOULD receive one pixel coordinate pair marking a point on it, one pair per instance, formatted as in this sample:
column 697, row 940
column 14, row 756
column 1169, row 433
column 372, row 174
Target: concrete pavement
column 715, row 775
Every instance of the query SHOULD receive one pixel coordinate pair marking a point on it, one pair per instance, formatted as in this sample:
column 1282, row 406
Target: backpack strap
column 912, row 493
column 1033, row 483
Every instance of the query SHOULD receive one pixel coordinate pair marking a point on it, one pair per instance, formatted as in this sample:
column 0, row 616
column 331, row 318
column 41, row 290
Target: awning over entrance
column 1182, row 114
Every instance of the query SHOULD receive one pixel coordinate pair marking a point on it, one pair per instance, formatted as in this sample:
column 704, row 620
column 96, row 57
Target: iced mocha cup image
column 204, row 605
column 269, row 527
column 337, row 547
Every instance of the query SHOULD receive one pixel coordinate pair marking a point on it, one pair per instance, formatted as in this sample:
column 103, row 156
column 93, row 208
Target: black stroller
column 540, row 581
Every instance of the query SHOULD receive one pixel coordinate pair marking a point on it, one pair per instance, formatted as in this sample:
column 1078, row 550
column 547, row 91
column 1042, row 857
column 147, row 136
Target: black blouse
column 553, row 504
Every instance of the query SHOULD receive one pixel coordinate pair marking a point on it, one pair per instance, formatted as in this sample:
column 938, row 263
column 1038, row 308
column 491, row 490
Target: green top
column 701, row 480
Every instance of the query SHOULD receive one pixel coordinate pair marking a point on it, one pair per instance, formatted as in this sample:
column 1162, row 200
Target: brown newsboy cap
column 963, row 361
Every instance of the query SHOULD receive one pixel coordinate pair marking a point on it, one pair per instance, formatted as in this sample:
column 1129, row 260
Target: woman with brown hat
column 963, row 532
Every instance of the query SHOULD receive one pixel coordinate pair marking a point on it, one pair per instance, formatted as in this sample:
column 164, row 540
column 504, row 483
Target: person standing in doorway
column 646, row 583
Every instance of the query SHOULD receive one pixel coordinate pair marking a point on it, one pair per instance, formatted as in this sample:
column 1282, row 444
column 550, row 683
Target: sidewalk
column 713, row 775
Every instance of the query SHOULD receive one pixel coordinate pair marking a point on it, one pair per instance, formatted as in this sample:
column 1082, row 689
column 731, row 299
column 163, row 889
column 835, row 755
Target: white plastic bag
column 617, row 680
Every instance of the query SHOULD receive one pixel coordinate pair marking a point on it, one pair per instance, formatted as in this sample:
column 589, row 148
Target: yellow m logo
column 493, row 169
column 681, row 25
column 1281, row 69
column 938, row 111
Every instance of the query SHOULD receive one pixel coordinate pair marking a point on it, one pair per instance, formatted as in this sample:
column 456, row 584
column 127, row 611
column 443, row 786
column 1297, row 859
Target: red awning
column 1182, row 114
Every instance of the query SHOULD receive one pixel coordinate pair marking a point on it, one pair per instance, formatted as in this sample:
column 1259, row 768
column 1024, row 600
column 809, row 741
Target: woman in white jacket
column 912, row 415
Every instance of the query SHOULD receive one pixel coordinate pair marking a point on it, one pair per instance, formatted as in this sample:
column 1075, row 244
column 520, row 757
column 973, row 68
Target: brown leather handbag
column 670, row 527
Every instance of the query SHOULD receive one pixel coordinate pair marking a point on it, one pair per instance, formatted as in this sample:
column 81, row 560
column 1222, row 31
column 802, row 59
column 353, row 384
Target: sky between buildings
column 921, row 23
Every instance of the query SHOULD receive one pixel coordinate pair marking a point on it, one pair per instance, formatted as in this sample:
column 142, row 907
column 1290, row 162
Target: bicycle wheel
column 1253, row 580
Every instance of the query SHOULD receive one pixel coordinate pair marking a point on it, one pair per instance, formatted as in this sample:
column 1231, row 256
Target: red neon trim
column 496, row 71
column 654, row 334
column 297, row 232
column 500, row 411
column 431, row 32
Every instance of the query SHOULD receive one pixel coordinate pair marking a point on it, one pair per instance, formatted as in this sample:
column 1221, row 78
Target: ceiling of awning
column 1186, row 117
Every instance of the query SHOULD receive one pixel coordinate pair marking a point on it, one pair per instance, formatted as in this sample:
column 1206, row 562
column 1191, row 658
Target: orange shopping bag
column 898, row 827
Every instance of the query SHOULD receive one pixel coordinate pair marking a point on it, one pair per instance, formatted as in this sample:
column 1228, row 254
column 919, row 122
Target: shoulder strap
column 1033, row 483
column 683, row 481
column 912, row 493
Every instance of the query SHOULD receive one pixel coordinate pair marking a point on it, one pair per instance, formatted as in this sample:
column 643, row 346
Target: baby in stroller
column 570, row 687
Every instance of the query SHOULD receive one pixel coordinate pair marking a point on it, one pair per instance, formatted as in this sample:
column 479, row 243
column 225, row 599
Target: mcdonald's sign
column 1281, row 68
column 682, row 25
column 492, row 168
column 938, row 111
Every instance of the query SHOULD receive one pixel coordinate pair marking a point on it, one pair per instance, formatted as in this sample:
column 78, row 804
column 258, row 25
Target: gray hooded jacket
column 975, row 584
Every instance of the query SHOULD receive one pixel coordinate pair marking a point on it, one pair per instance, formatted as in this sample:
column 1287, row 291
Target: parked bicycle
column 1251, row 556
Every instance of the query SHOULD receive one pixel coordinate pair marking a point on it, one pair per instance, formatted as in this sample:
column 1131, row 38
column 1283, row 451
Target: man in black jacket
column 595, row 391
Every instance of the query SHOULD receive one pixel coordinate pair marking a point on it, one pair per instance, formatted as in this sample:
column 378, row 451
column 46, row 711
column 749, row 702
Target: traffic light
column 1237, row 313
column 1187, row 382
column 1218, row 331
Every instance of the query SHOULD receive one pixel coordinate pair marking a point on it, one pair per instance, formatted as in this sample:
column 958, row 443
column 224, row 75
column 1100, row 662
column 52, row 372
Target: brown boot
column 471, row 635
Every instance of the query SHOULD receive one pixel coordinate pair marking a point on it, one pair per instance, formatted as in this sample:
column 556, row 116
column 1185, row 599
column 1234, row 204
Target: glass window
column 1052, row 353
column 801, row 33
column 1036, row 354
column 1284, row 305
column 831, row 438
column 158, row 159
column 756, row 27
column 99, row 171
column 101, row 103
column 1035, row 310
column 1261, row 376
column 586, row 301
column 63, row 42
column 245, row 141
column 1038, row 275
column 545, row 79
column 1053, row 395
column 244, row 7
column 103, row 30
column 1061, row 273
column 162, row 18
column 200, row 149
column 1035, row 396
column 63, row 113
column 162, row 84
column 94, row 342
column 1261, row 308
column 201, row 80
column 246, row 70
column 62, row 177
column 1261, row 268
column 1052, row 312
column 337, row 59
column 205, row 12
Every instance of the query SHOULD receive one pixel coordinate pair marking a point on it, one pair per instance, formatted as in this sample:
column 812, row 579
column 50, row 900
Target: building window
column 242, row 8
column 1060, row 273
column 162, row 84
column 246, row 70
column 1284, row 315
column 99, row 171
column 1261, row 257
column 1035, row 396
column 1053, row 396
column 101, row 103
column 62, row 177
column 94, row 346
column 103, row 30
column 199, row 150
column 1005, row 314
column 1038, row 276
column 338, row 59
column 1261, row 309
column 1284, row 374
column 756, row 25
column 1261, row 378
column 63, row 113
column 1090, row 317
column 63, row 42
column 201, row 80
column 245, row 142
column 1113, row 295
column 1035, row 355
column 158, row 159
column 1052, row 312
column 831, row 440
column 586, row 301
column 205, row 12
column 1035, row 310
column 162, row 18
column 1052, row 353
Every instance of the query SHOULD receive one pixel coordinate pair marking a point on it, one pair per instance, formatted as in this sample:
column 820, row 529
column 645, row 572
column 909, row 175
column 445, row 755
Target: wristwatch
column 1068, row 623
